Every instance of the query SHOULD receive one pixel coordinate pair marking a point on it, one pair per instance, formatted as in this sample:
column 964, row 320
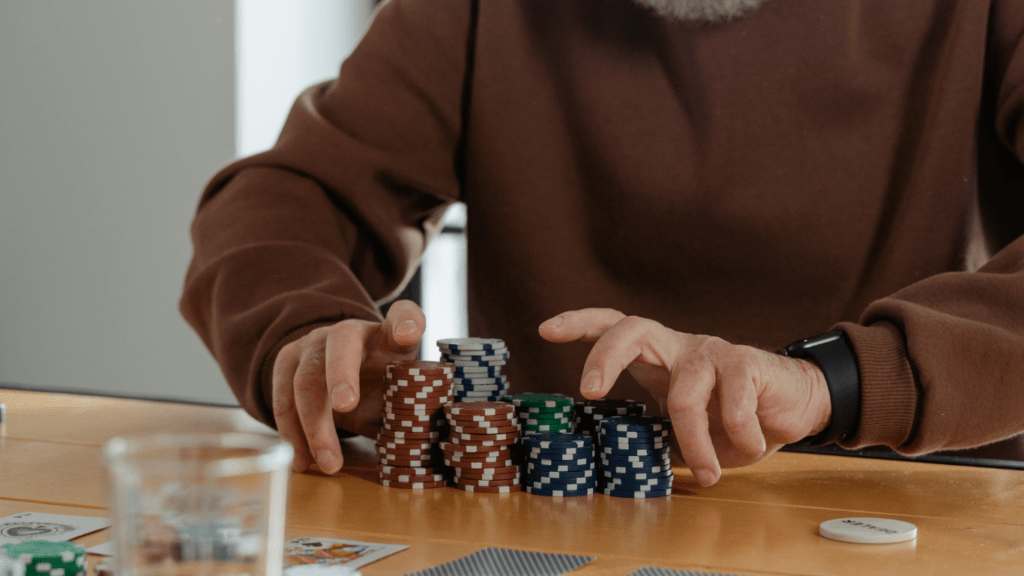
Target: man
column 762, row 175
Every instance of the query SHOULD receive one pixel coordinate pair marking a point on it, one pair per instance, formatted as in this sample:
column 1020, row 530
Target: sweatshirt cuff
column 888, row 390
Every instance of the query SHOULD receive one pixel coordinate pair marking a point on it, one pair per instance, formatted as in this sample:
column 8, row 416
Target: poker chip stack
column 559, row 464
column 478, row 363
column 479, row 449
column 587, row 415
column 542, row 412
column 42, row 558
column 414, row 424
column 634, row 457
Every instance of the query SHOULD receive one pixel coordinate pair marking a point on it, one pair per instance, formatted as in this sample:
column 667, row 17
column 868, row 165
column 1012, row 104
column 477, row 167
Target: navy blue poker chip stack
column 559, row 464
column 478, row 363
column 587, row 415
column 634, row 457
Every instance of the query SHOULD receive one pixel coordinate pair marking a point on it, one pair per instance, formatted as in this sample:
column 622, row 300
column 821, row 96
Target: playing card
column 105, row 549
column 650, row 571
column 352, row 554
column 52, row 527
column 506, row 562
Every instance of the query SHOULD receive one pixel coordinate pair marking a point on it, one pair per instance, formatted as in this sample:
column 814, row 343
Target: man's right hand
column 333, row 377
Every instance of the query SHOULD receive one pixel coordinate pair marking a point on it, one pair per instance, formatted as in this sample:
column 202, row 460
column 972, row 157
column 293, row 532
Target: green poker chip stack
column 43, row 558
column 540, row 413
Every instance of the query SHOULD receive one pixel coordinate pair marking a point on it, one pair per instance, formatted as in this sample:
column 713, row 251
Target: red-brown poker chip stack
column 415, row 394
column 479, row 448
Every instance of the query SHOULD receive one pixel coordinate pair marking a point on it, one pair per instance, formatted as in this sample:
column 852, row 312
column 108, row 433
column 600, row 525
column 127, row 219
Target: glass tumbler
column 198, row 504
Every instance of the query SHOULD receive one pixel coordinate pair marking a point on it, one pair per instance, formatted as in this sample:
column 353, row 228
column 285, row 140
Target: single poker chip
column 510, row 435
column 630, row 444
column 637, row 494
column 415, row 453
column 559, row 493
column 420, row 367
column 404, row 444
column 611, row 407
column 460, row 457
column 400, row 470
column 499, row 380
column 537, row 419
column 407, row 450
column 571, row 452
column 476, row 371
column 641, row 452
column 462, row 440
column 412, row 397
column 400, row 435
column 473, row 349
column 635, row 424
column 414, row 419
column 505, row 472
column 477, row 430
column 442, row 429
column 411, row 462
column 413, row 485
column 452, row 447
column 479, row 465
column 638, row 486
column 636, row 476
column 555, row 440
column 487, row 389
column 435, row 402
column 479, row 409
column 562, row 462
column 868, row 530
column 470, row 343
column 548, row 428
column 572, row 486
column 492, row 489
column 474, row 363
column 410, row 409
column 531, row 467
column 634, row 437
column 463, row 422
column 408, row 478
column 463, row 481
column 541, row 400
column 609, row 470
column 542, row 475
column 417, row 383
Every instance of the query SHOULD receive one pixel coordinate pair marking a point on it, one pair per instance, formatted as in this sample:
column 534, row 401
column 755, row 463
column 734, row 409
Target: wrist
column 834, row 358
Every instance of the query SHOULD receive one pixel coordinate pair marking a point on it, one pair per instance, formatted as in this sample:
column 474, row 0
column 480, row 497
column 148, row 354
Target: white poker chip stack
column 478, row 363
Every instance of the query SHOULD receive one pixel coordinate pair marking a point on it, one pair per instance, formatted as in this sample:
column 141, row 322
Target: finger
column 344, row 353
column 737, row 395
column 403, row 328
column 587, row 325
column 283, row 405
column 314, row 410
column 693, row 383
column 631, row 338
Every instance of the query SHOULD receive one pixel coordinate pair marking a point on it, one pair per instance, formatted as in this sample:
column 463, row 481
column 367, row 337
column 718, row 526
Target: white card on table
column 53, row 527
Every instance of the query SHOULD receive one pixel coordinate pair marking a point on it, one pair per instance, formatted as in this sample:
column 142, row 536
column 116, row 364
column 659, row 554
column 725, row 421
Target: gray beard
column 701, row 10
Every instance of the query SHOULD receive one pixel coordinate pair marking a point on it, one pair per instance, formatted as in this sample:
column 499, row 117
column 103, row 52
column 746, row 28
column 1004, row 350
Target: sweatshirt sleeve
column 941, row 360
column 335, row 216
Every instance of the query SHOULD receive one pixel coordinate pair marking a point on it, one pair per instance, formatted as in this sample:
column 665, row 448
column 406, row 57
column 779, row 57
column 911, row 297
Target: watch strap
column 833, row 353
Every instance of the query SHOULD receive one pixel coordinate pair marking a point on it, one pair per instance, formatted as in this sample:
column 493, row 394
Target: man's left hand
column 730, row 405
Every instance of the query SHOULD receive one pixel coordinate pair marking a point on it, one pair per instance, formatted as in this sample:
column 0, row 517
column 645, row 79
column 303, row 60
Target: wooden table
column 762, row 519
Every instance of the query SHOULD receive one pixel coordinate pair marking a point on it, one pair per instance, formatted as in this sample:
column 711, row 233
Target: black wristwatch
column 834, row 355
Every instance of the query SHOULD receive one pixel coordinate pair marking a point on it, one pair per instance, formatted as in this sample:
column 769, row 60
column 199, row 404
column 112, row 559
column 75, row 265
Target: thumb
column 403, row 327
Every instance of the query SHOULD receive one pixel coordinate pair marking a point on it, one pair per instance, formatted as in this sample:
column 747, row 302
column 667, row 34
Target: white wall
column 113, row 113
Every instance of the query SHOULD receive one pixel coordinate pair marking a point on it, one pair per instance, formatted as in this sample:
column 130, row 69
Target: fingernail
column 555, row 322
column 704, row 477
column 327, row 462
column 591, row 381
column 405, row 328
column 342, row 397
column 299, row 464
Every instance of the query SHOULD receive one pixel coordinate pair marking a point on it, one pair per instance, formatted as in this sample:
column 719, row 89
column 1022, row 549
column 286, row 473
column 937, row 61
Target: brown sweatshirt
column 810, row 165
